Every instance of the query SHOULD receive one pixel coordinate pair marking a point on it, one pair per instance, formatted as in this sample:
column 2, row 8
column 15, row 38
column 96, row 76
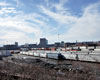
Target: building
column 11, row 46
column 57, row 44
column 50, row 45
column 43, row 42
column 68, row 44
column 62, row 44
column 16, row 43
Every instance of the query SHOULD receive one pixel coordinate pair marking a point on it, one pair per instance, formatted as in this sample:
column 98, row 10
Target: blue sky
column 26, row 21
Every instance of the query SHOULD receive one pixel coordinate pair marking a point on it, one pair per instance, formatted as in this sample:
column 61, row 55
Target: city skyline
column 44, row 42
column 26, row 21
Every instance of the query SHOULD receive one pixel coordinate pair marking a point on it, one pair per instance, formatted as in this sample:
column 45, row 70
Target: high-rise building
column 16, row 44
column 43, row 42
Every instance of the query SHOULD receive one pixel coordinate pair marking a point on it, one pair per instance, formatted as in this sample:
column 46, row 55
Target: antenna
column 58, row 37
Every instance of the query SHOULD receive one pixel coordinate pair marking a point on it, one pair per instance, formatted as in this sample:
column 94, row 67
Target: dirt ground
column 36, row 69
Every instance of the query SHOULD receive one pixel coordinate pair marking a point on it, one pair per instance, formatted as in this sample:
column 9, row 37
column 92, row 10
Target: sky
column 26, row 21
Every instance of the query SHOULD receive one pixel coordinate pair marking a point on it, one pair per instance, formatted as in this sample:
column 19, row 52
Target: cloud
column 60, row 7
column 87, row 27
column 16, row 25
column 4, row 4
column 18, row 3
column 58, row 12
column 83, row 28
column 8, row 10
column 15, row 30
column 60, row 18
column 12, row 36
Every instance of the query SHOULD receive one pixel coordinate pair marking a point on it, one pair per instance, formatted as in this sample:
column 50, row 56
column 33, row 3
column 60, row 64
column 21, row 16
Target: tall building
column 43, row 42
column 16, row 43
